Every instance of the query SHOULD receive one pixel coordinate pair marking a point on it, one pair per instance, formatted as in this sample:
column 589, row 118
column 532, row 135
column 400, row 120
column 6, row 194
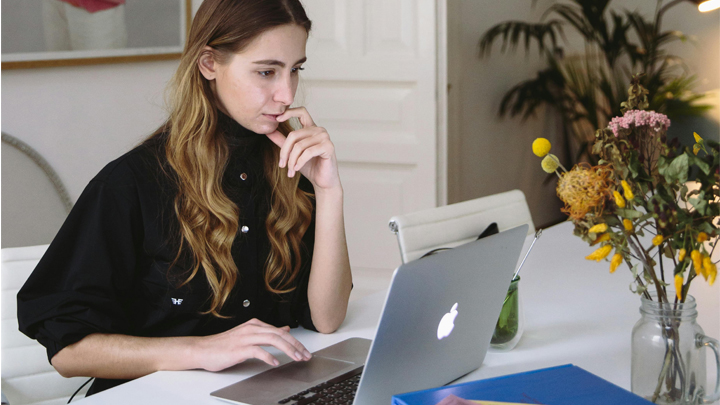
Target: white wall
column 80, row 118
column 488, row 155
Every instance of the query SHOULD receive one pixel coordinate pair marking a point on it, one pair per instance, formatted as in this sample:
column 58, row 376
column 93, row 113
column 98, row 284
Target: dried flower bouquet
column 639, row 187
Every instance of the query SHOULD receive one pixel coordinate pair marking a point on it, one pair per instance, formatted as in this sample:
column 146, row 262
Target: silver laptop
column 435, row 327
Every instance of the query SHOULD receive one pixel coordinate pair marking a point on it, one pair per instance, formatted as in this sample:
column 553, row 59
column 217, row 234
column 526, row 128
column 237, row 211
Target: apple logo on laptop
column 447, row 323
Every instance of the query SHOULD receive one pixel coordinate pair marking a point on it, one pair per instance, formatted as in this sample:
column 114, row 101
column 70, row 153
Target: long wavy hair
column 197, row 152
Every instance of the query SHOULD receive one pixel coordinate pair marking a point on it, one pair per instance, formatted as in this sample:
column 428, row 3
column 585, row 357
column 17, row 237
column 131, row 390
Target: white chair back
column 455, row 224
column 27, row 376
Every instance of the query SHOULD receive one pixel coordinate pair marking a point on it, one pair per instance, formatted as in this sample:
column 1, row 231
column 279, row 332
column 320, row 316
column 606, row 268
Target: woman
column 217, row 234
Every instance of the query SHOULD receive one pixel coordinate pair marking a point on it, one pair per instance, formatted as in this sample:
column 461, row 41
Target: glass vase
column 668, row 364
column 509, row 327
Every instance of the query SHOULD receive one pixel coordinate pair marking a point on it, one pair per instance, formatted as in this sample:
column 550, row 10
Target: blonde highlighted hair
column 197, row 152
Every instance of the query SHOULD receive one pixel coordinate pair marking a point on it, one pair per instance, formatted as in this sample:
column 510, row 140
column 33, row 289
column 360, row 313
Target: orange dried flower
column 582, row 189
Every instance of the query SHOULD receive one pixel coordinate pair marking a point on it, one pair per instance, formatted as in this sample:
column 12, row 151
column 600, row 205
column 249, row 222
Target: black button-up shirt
column 106, row 271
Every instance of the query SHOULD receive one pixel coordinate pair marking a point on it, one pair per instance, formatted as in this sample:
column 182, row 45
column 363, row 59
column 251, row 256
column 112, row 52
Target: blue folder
column 561, row 385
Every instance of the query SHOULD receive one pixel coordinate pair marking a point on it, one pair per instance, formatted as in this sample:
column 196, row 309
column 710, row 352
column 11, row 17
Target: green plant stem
column 640, row 283
column 670, row 332
column 663, row 371
column 648, row 270
column 662, row 269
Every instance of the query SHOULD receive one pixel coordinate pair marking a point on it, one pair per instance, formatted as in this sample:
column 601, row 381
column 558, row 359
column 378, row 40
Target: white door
column 370, row 80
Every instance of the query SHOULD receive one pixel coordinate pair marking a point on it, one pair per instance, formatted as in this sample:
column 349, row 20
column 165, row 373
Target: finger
column 284, row 333
column 307, row 154
column 272, row 339
column 292, row 138
column 261, row 354
column 277, row 138
column 300, row 113
column 297, row 150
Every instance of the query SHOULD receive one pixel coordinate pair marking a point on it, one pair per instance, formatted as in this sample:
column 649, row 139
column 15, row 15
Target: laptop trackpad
column 309, row 371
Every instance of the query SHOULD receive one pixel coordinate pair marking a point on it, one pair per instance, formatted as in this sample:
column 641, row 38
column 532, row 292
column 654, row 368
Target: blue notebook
column 561, row 385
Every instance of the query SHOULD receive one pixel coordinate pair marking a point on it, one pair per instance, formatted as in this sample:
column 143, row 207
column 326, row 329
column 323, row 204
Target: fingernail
column 307, row 355
column 282, row 163
column 298, row 356
column 291, row 173
column 275, row 362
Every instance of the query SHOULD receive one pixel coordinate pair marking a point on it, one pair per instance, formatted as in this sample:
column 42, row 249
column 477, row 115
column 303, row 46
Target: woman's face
column 259, row 83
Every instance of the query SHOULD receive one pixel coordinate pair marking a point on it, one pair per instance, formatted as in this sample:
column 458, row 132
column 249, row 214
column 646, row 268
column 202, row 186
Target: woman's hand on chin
column 308, row 150
column 243, row 342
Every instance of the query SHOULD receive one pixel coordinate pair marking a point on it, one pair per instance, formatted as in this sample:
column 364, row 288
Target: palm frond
column 525, row 97
column 573, row 17
column 544, row 34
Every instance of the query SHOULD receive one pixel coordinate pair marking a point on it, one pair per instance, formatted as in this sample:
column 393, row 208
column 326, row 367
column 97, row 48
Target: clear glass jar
column 668, row 365
column 510, row 324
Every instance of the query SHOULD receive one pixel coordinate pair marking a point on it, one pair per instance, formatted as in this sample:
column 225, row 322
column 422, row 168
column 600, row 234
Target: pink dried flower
column 639, row 118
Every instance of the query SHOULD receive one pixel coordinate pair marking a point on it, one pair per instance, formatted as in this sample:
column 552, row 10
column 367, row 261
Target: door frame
column 441, row 98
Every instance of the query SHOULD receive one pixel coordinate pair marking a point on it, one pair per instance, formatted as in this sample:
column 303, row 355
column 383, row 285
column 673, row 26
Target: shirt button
column 243, row 176
column 246, row 303
column 244, row 229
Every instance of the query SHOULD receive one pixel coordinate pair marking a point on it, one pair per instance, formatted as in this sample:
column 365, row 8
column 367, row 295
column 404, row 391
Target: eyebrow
column 273, row 62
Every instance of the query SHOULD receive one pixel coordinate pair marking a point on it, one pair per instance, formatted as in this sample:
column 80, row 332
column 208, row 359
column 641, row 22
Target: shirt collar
column 236, row 134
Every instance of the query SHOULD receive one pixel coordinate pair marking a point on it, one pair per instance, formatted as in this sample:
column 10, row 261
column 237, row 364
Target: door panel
column 370, row 81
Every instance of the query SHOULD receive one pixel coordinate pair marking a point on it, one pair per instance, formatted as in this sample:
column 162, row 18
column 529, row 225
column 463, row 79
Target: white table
column 575, row 312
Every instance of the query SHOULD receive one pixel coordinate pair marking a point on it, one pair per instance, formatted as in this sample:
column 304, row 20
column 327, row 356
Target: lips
column 272, row 116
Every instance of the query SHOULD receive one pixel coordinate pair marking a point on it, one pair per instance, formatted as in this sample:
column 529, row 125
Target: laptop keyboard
column 339, row 390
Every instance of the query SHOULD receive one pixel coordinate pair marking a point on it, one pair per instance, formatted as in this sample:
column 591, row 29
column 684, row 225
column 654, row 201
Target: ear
column 207, row 64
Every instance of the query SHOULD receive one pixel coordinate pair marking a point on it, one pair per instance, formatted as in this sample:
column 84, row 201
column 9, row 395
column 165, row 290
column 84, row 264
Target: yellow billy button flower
column 678, row 285
column 541, row 147
column 599, row 254
column 702, row 237
column 627, row 224
column 599, row 228
column 697, row 263
column 657, row 240
column 682, row 254
column 710, row 269
column 549, row 164
column 615, row 262
column 627, row 190
column 619, row 201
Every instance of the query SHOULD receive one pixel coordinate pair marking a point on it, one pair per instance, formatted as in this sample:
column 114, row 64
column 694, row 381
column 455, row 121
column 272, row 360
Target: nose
column 285, row 91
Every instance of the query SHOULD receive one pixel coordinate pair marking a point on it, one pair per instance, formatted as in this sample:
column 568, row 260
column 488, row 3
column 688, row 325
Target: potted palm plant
column 586, row 89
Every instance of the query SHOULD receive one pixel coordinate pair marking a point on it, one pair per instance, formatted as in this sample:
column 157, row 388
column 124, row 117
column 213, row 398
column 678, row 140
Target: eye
column 266, row 73
column 296, row 69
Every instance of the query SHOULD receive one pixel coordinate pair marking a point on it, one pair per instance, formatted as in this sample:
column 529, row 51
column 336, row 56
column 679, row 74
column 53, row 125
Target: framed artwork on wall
column 47, row 33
